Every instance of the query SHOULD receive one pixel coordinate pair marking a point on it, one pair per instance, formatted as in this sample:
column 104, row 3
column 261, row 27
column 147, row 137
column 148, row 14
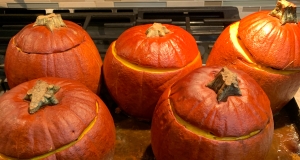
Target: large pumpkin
column 213, row 115
column 266, row 45
column 74, row 123
column 144, row 61
column 52, row 47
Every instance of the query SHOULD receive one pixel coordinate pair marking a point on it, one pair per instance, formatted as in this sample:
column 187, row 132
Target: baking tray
column 134, row 137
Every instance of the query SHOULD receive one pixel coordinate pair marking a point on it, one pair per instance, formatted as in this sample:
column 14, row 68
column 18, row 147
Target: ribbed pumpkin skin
column 269, row 42
column 66, row 52
column 196, row 104
column 157, row 63
column 25, row 135
column 274, row 50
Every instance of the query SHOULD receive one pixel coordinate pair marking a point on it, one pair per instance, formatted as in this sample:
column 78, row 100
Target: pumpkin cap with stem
column 225, row 84
column 285, row 11
column 51, row 21
column 157, row 30
column 40, row 95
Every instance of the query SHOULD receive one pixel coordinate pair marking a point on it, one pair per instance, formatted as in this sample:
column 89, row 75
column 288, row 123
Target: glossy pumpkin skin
column 272, row 54
column 197, row 106
column 66, row 52
column 25, row 136
column 138, row 69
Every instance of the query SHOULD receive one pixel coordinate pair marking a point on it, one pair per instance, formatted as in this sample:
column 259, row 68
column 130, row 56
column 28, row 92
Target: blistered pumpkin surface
column 239, row 116
column 189, row 123
column 52, row 129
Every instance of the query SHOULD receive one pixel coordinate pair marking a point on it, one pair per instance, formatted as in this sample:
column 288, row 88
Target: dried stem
column 40, row 95
column 51, row 21
column 225, row 84
column 157, row 30
column 285, row 11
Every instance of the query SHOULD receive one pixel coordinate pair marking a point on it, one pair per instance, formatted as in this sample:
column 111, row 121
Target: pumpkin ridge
column 275, row 37
column 147, row 69
column 239, row 123
column 79, row 63
column 177, row 53
column 136, row 48
column 254, row 112
column 262, row 28
column 167, row 131
column 295, row 38
column 64, row 147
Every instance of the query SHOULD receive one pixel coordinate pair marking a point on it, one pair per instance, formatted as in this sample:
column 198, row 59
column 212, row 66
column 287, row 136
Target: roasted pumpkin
column 144, row 61
column 213, row 113
column 52, row 47
column 55, row 118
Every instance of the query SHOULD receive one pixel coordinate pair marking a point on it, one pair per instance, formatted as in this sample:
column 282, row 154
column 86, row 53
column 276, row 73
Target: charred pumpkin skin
column 78, row 127
column 66, row 52
column 137, row 69
column 189, row 123
column 279, row 84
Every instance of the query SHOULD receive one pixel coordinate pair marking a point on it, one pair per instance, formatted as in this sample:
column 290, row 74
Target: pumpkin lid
column 243, row 112
column 49, row 34
column 157, row 45
column 272, row 38
column 51, row 129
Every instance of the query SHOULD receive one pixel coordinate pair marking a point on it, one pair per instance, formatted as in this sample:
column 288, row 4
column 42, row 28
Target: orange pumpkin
column 52, row 47
column 144, row 61
column 266, row 45
column 211, row 114
column 58, row 119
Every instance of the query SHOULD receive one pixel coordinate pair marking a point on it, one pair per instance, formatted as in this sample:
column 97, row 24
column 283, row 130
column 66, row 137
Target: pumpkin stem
column 40, row 95
column 157, row 30
column 51, row 21
column 285, row 11
column 225, row 84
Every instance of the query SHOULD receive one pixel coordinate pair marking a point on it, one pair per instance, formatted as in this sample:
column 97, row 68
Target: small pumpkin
column 52, row 47
column 55, row 118
column 266, row 45
column 213, row 113
column 144, row 61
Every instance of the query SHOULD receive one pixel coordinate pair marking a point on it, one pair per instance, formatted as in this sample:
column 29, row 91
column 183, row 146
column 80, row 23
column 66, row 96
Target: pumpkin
column 144, row 61
column 55, row 118
column 52, row 47
column 212, row 113
column 266, row 45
